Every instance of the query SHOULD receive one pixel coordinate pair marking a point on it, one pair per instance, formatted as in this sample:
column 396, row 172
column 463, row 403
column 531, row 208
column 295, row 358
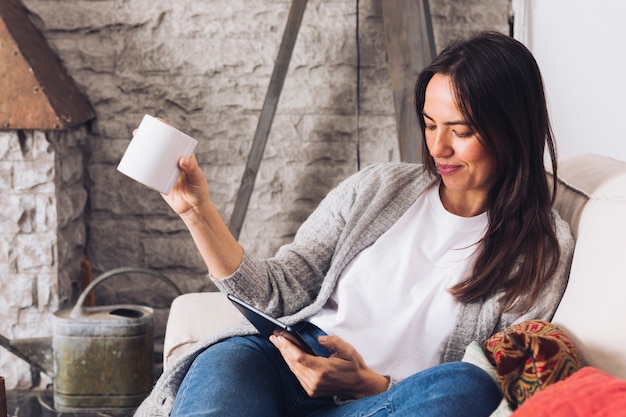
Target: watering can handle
column 78, row 309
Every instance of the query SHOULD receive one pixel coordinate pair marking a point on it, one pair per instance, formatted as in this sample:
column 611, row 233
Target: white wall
column 580, row 46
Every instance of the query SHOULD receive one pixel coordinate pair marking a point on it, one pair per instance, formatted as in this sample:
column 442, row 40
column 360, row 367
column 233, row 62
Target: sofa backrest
column 591, row 197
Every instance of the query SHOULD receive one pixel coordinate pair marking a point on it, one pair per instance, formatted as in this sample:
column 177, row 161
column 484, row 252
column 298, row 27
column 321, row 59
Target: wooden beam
column 267, row 116
column 410, row 47
column 36, row 91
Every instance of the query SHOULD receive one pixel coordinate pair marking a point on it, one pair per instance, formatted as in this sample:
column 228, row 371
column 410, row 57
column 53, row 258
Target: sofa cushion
column 593, row 310
column 194, row 317
column 587, row 393
column 475, row 355
column 529, row 356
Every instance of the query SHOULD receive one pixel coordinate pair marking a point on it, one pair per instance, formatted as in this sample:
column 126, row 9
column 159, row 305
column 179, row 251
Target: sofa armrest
column 592, row 310
column 194, row 317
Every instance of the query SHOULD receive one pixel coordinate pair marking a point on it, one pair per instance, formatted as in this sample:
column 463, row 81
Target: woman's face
column 465, row 166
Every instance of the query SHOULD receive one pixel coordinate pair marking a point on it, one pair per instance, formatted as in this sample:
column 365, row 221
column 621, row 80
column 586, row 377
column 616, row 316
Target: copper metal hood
column 36, row 91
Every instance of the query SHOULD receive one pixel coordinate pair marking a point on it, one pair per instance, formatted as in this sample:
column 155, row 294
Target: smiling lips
column 446, row 170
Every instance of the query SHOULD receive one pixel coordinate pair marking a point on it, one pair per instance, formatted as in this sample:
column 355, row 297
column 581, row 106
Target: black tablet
column 267, row 325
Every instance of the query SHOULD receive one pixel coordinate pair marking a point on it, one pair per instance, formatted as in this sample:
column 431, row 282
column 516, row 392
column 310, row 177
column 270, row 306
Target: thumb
column 188, row 164
column 338, row 345
column 184, row 163
column 192, row 174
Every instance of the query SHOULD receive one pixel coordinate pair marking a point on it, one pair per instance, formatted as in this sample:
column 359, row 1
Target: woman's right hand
column 189, row 198
column 191, row 189
column 344, row 373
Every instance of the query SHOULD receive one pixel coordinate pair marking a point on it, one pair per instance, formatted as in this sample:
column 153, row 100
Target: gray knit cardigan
column 296, row 283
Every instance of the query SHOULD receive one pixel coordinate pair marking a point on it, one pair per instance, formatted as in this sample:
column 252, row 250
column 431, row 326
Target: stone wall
column 205, row 67
column 42, row 235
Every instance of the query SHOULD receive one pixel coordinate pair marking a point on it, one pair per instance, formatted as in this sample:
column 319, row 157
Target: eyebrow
column 452, row 123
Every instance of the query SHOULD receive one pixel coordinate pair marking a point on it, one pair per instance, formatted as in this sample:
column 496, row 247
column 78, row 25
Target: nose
column 438, row 143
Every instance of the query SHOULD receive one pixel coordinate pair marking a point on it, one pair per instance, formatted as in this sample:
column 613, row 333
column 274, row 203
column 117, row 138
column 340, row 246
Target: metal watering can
column 99, row 357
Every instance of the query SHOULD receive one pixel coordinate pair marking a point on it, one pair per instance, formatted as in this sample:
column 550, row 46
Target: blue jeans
column 246, row 376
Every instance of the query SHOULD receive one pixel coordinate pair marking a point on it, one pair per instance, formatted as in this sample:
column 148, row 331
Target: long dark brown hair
column 499, row 91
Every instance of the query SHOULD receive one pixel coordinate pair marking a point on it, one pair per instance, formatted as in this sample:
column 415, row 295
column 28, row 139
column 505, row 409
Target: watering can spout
column 37, row 352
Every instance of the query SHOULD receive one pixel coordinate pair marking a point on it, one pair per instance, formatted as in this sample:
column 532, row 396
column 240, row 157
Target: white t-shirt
column 391, row 302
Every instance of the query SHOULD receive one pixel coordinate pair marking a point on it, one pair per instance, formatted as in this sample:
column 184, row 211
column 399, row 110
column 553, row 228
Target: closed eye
column 463, row 134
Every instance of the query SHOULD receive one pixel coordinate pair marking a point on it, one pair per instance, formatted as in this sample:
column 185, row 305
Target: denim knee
column 447, row 390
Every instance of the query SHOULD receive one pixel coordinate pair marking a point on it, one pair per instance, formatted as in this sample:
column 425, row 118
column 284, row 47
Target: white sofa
column 591, row 197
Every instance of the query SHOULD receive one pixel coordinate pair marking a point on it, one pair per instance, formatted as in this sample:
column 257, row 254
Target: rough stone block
column 6, row 175
column 70, row 169
column 34, row 176
column 109, row 152
column 171, row 251
column 35, row 251
column 113, row 243
column 165, row 226
column 71, row 204
column 47, row 296
column 118, row 194
column 18, row 293
column 45, row 213
column 68, row 142
column 7, row 138
column 71, row 241
column 5, row 257
column 34, row 146
column 15, row 215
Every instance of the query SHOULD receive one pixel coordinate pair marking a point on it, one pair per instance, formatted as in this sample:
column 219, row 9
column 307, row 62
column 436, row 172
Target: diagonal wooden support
column 37, row 91
column 267, row 116
column 410, row 47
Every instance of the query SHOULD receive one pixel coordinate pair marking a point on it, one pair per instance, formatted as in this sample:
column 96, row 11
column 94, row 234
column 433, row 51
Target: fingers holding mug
column 153, row 155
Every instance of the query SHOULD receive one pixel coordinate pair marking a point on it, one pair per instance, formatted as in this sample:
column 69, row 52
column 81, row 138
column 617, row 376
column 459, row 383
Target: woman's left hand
column 344, row 373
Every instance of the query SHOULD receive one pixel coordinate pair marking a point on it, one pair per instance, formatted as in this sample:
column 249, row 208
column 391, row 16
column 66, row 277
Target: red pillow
column 586, row 393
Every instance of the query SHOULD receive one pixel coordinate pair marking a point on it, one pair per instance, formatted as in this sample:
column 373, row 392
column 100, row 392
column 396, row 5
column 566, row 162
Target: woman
column 403, row 265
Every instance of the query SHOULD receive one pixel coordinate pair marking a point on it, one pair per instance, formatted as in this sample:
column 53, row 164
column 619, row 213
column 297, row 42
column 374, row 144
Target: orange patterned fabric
column 529, row 356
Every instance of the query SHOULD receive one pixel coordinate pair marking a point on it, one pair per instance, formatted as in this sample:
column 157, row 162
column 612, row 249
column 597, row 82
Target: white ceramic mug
column 153, row 154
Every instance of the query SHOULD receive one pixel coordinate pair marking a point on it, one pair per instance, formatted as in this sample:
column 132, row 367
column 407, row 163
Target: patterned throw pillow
column 529, row 356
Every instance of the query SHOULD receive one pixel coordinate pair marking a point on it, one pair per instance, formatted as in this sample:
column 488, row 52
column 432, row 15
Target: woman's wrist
column 219, row 249
column 375, row 384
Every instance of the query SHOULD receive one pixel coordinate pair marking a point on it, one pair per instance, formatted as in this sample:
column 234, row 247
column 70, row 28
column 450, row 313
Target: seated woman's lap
column 246, row 376
column 242, row 376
